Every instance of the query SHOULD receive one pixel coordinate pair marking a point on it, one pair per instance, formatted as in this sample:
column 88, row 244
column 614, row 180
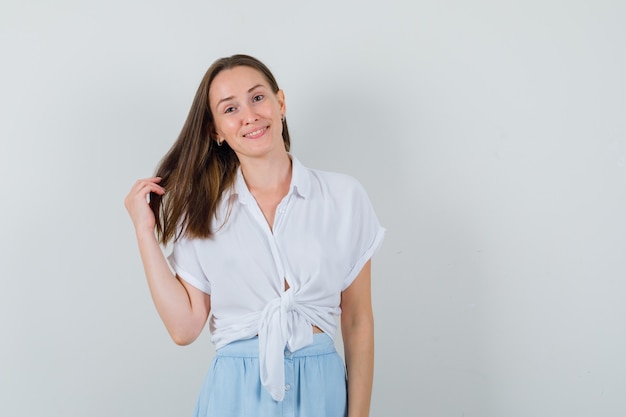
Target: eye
column 258, row 97
column 229, row 109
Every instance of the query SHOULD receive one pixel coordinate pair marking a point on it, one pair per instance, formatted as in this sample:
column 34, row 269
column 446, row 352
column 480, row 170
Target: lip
column 256, row 133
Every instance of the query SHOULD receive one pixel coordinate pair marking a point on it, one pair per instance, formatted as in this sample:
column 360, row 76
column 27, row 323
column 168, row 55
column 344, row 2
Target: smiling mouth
column 256, row 133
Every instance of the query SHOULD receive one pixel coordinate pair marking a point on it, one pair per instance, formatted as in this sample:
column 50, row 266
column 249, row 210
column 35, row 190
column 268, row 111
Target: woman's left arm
column 357, row 328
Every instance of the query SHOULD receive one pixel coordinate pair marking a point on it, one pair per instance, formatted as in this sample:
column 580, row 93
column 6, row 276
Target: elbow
column 182, row 338
column 181, row 341
column 357, row 320
column 361, row 330
column 184, row 330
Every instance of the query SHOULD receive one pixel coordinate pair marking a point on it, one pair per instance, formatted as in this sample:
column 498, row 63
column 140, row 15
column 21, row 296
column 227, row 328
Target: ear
column 213, row 132
column 280, row 96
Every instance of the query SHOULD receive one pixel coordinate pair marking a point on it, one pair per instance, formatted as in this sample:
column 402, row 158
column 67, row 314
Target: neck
column 267, row 174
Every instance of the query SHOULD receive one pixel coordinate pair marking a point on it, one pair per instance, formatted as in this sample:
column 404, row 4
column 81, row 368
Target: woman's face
column 247, row 113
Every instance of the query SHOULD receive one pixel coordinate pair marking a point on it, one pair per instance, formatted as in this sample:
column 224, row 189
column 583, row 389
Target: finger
column 140, row 196
column 155, row 180
column 152, row 180
column 148, row 188
column 140, row 185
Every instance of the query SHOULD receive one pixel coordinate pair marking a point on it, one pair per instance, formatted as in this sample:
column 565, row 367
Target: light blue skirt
column 315, row 383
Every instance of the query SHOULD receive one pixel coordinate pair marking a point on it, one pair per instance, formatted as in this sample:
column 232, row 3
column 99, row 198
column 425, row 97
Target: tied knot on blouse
column 281, row 326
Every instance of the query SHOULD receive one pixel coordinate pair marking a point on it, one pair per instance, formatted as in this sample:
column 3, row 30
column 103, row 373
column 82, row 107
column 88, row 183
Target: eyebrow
column 232, row 97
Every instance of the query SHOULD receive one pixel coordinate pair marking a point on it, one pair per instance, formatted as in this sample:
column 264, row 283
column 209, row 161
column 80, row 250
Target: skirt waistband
column 249, row 348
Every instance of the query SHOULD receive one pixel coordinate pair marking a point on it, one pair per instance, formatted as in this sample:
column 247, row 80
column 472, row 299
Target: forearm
column 359, row 354
column 170, row 297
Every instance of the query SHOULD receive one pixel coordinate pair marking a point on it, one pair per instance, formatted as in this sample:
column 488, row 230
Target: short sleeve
column 186, row 264
column 366, row 231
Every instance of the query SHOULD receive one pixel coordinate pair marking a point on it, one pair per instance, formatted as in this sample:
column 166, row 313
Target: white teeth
column 256, row 132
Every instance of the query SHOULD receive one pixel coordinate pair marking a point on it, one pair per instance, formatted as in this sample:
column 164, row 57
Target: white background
column 490, row 135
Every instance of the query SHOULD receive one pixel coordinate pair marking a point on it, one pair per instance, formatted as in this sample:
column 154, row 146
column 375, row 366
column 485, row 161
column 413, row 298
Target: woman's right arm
column 183, row 308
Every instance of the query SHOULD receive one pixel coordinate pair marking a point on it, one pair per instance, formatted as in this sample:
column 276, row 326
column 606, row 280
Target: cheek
column 224, row 127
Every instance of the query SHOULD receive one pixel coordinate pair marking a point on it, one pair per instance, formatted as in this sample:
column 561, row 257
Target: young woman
column 271, row 250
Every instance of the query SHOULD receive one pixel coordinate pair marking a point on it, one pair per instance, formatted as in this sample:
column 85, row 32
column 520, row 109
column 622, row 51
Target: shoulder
column 329, row 186
column 335, row 182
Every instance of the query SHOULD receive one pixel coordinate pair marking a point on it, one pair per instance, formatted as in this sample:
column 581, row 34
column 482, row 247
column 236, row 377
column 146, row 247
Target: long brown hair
column 196, row 171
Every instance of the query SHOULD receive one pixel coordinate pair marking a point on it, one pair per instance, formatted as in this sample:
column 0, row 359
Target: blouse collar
column 300, row 183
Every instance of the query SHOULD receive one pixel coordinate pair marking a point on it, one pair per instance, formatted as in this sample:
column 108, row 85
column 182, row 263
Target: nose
column 249, row 115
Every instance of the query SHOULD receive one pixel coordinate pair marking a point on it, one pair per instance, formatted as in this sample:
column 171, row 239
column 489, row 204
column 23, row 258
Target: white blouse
column 325, row 230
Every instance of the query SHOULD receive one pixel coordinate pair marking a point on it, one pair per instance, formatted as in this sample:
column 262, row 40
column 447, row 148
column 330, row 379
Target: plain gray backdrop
column 490, row 135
